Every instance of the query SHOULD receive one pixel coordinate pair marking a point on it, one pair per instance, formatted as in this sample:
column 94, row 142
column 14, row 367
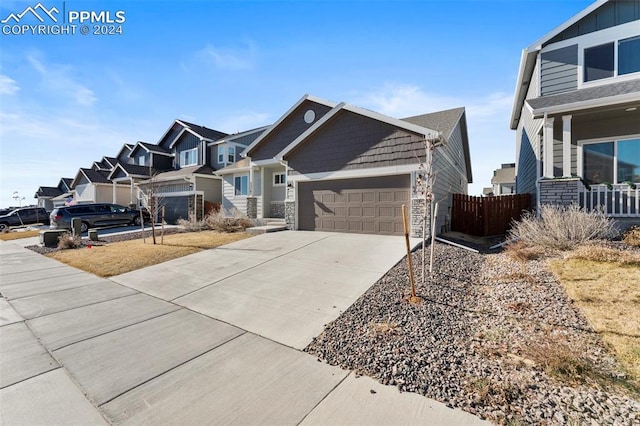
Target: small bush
column 68, row 241
column 233, row 221
column 561, row 228
column 601, row 253
column 192, row 224
column 521, row 252
column 632, row 236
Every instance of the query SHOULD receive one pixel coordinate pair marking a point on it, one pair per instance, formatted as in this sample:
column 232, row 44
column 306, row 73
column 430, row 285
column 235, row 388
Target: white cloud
column 58, row 79
column 244, row 120
column 228, row 59
column 8, row 86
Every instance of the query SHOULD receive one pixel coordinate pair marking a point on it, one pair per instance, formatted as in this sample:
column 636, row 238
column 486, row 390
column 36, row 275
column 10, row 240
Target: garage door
column 364, row 205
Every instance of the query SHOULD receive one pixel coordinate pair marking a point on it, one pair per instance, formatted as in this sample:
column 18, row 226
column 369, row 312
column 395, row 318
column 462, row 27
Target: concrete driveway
column 284, row 286
column 219, row 349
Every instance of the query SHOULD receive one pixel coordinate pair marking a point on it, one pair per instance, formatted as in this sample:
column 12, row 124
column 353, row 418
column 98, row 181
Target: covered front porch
column 591, row 157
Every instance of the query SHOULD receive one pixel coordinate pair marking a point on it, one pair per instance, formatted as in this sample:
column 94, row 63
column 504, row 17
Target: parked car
column 24, row 216
column 96, row 215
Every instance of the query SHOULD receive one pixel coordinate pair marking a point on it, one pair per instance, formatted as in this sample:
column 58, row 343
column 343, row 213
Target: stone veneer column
column 252, row 207
column 290, row 214
column 560, row 192
column 416, row 218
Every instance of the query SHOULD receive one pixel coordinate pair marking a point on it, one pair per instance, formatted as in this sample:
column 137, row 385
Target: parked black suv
column 95, row 215
column 24, row 216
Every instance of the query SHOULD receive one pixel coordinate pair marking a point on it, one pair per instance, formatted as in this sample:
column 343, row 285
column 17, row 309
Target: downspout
column 539, row 163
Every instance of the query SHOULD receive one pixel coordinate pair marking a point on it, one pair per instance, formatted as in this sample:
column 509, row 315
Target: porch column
column 566, row 145
column 113, row 192
column 133, row 197
column 251, row 181
column 548, row 147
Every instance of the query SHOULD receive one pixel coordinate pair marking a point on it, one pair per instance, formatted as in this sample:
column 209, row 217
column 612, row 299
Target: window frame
column 183, row 157
column 221, row 155
column 231, row 154
column 240, row 178
column 582, row 48
column 142, row 160
column 283, row 180
column 613, row 45
column 615, row 140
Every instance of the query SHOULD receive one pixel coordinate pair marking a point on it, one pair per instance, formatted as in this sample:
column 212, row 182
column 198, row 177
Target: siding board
column 559, row 70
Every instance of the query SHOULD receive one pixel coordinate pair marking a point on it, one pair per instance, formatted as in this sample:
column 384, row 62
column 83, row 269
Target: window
column 598, row 62
column 629, row 55
column 611, row 161
column 189, row 157
column 231, row 156
column 221, row 154
column 279, row 179
column 241, row 184
column 141, row 160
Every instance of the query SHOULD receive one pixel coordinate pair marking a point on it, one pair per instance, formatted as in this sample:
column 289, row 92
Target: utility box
column 50, row 238
column 93, row 234
column 76, row 227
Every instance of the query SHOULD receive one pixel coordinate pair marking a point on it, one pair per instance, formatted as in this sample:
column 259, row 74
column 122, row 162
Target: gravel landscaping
column 493, row 336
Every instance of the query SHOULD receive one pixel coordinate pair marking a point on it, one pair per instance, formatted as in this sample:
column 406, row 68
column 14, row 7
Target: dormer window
column 231, row 155
column 221, row 154
column 141, row 160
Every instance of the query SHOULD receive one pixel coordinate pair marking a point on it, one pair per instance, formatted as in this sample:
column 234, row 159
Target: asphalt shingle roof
column 48, row 191
column 154, row 148
column 205, row 132
column 96, row 176
column 186, row 171
column 442, row 121
column 589, row 94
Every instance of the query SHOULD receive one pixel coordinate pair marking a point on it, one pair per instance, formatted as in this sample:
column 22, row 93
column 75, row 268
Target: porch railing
column 620, row 200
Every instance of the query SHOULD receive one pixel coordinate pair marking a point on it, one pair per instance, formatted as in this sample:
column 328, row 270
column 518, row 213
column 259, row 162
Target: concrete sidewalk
column 77, row 349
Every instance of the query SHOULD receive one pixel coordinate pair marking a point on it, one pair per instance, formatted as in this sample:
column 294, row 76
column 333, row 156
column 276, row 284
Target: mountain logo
column 43, row 11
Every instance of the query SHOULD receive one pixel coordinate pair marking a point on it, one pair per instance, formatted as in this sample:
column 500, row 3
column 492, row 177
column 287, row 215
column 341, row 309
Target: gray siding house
column 46, row 195
column 180, row 173
column 336, row 167
column 576, row 112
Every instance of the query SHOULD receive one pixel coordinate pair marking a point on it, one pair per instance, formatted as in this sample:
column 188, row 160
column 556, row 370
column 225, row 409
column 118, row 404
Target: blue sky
column 68, row 100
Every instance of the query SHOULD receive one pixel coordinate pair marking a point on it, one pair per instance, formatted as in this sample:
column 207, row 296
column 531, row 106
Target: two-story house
column 181, row 168
column 576, row 112
column 50, row 197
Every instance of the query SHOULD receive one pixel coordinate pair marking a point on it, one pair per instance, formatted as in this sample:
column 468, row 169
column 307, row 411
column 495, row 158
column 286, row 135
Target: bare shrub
column 233, row 221
column 601, row 253
column 521, row 252
column 192, row 224
column 68, row 241
column 561, row 360
column 561, row 228
column 632, row 236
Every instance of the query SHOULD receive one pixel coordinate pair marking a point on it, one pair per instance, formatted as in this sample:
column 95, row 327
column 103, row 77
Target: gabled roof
column 445, row 122
column 151, row 148
column 126, row 149
column 587, row 98
column 241, row 137
column 111, row 161
column 47, row 192
column 130, row 170
column 100, row 165
column 65, row 184
column 401, row 124
column 203, row 131
column 528, row 60
column 274, row 126
column 93, row 176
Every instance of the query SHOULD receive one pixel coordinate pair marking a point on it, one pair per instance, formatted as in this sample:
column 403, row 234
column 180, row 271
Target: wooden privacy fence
column 485, row 216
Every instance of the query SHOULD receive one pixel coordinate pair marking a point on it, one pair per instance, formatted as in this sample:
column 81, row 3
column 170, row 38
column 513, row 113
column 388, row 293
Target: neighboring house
column 181, row 165
column 94, row 186
column 576, row 112
column 487, row 191
column 47, row 195
column 504, row 180
column 337, row 167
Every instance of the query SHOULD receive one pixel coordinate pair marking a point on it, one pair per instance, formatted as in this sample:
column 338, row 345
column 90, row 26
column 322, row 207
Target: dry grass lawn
column 7, row 236
column 608, row 293
column 125, row 256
